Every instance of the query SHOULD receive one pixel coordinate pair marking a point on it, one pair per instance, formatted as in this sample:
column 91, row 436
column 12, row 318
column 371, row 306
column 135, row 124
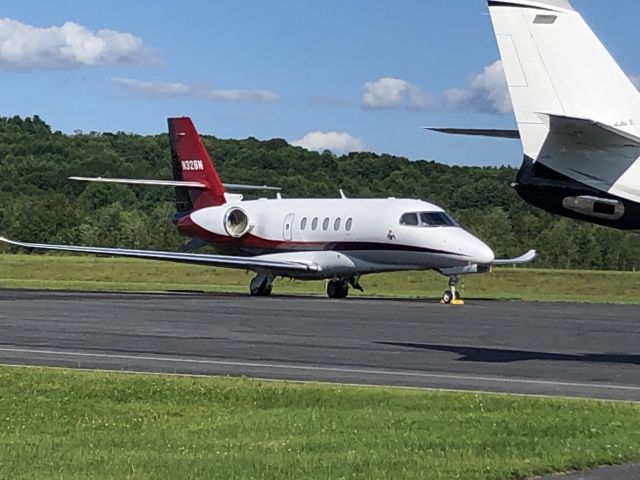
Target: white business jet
column 578, row 114
column 308, row 239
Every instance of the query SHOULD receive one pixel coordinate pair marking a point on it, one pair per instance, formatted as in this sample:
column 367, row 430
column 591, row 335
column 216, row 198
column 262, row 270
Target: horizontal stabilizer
column 478, row 132
column 260, row 263
column 133, row 181
column 589, row 132
column 528, row 257
column 238, row 187
column 173, row 183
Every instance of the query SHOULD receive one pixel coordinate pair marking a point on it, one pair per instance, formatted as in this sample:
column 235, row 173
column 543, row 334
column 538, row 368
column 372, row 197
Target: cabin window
column 409, row 219
column 336, row 224
column 437, row 219
column 303, row 223
column 314, row 224
column 349, row 224
column 325, row 224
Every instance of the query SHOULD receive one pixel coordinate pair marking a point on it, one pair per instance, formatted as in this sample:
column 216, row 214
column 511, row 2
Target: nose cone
column 482, row 254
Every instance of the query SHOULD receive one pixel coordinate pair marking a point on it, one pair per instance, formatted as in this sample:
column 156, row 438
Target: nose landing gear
column 452, row 296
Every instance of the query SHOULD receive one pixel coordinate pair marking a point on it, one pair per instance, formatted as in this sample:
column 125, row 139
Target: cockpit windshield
column 437, row 219
column 410, row 219
column 427, row 219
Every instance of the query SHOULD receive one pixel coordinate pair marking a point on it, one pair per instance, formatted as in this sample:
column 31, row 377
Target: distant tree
column 38, row 203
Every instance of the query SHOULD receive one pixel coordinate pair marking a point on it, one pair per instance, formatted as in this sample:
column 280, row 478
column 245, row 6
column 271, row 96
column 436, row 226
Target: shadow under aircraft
column 498, row 355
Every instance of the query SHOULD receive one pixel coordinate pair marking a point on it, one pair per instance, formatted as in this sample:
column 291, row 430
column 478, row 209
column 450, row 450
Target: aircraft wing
column 478, row 132
column 258, row 263
column 528, row 257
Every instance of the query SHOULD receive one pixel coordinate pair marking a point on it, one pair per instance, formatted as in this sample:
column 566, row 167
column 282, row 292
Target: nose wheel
column 452, row 296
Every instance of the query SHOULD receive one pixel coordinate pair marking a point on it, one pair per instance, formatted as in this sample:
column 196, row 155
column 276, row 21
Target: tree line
column 38, row 203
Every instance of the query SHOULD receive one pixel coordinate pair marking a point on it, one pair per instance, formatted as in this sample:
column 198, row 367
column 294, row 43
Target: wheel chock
column 453, row 302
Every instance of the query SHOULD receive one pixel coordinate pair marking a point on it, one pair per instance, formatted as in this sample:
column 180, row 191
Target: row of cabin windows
column 325, row 224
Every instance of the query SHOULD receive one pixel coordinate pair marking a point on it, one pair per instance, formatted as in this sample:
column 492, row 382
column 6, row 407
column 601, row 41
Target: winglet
column 528, row 257
column 6, row 240
column 25, row 246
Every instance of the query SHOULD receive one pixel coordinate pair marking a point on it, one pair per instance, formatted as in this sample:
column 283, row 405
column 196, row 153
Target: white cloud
column 486, row 92
column 169, row 89
column 153, row 89
column 26, row 47
column 384, row 93
column 338, row 143
column 388, row 93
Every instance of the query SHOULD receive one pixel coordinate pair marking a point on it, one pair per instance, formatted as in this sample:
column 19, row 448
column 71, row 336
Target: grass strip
column 92, row 273
column 62, row 424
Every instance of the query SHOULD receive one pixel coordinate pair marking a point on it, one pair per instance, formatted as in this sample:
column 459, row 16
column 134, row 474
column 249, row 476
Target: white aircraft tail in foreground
column 309, row 239
column 578, row 114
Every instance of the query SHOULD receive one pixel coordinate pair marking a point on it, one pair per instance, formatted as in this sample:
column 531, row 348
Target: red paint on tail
column 192, row 163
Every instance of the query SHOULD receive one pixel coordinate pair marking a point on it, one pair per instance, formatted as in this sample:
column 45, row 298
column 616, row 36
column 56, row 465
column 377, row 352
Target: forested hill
column 38, row 203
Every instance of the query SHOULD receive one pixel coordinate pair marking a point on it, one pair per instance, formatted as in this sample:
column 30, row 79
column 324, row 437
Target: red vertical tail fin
column 192, row 163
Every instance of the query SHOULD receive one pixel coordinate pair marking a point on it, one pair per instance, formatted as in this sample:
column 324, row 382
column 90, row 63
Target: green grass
column 57, row 424
column 91, row 273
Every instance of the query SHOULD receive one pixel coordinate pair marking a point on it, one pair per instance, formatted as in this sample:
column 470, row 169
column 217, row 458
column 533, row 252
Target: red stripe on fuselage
column 189, row 228
column 256, row 245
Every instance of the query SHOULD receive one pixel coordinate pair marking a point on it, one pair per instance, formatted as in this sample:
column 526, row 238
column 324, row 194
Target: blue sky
column 372, row 71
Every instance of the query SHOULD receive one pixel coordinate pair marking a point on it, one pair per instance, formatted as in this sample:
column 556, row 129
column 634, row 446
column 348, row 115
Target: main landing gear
column 339, row 287
column 452, row 296
column 261, row 285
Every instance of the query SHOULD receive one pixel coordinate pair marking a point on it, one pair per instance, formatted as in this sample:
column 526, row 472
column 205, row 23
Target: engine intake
column 236, row 223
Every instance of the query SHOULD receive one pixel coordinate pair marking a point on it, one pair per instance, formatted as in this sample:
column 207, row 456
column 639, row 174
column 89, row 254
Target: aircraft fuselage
column 362, row 235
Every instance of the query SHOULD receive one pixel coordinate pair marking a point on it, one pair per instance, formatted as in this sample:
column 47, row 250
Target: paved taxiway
column 622, row 472
column 525, row 348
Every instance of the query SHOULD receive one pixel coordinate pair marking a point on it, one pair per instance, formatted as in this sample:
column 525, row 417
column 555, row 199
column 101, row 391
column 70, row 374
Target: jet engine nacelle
column 236, row 222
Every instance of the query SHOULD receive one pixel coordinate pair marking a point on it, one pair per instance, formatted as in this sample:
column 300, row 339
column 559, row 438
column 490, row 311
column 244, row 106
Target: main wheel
column 337, row 289
column 333, row 289
column 262, row 291
column 447, row 297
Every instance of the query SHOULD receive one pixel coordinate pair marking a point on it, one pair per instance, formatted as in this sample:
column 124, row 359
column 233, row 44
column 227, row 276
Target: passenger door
column 287, row 228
